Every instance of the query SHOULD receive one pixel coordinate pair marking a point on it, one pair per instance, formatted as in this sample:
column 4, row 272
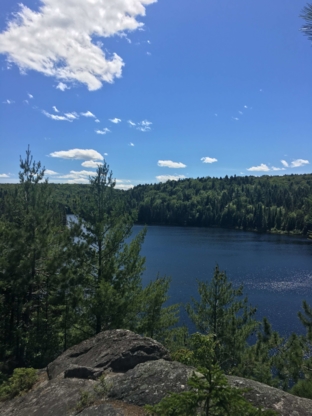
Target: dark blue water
column 276, row 270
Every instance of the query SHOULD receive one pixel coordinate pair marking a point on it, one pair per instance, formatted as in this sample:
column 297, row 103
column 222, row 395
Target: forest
column 62, row 282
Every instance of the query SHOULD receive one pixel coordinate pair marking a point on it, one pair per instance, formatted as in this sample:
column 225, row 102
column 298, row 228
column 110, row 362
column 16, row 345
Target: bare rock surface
column 117, row 350
column 267, row 397
column 137, row 370
column 52, row 398
column 150, row 382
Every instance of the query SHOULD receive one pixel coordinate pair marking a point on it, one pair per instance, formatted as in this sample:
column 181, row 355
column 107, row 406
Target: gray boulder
column 261, row 395
column 51, row 398
column 150, row 382
column 117, row 350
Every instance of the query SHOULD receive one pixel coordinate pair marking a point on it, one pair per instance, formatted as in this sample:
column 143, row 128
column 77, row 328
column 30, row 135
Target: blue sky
column 159, row 89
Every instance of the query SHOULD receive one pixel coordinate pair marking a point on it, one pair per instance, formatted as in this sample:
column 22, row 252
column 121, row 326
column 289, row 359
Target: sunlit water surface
column 276, row 270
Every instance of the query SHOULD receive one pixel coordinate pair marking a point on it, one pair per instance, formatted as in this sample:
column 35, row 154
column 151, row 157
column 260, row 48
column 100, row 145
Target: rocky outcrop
column 150, row 382
column 261, row 395
column 137, row 371
column 117, row 350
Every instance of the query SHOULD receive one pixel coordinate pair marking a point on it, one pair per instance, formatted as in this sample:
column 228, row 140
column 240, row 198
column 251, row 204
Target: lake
column 276, row 270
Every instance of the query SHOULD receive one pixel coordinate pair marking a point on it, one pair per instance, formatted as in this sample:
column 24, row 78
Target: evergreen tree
column 31, row 249
column 110, row 266
column 220, row 312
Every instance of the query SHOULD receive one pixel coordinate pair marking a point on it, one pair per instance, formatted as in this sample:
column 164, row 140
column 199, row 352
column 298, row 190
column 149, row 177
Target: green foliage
column 21, row 381
column 155, row 320
column 209, row 392
column 266, row 203
column 303, row 389
column 109, row 268
column 31, row 262
column 87, row 398
column 221, row 313
column 307, row 16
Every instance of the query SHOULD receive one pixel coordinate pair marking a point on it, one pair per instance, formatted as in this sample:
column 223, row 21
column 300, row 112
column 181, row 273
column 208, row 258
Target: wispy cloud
column 97, row 120
column 8, row 102
column 276, row 169
column 91, row 164
column 61, row 86
column 260, row 168
column 72, row 116
column 115, row 120
column 131, row 123
column 82, row 154
column 298, row 163
column 4, row 175
column 104, row 131
column 170, row 164
column 30, row 96
column 208, row 159
column 235, row 118
column 131, row 144
column 55, row 109
column 284, row 163
column 54, row 117
column 165, row 178
column 88, row 114
column 50, row 172
column 144, row 125
column 67, row 51
column 124, row 184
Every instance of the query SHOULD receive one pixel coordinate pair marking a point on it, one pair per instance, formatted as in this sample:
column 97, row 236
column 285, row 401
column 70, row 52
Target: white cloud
column 104, row 131
column 61, row 86
column 275, row 169
column 144, row 125
column 105, row 154
column 261, row 168
column 55, row 109
column 208, row 159
column 115, row 120
column 97, row 120
column 82, row 154
column 91, row 164
column 72, row 116
column 149, row 41
column 170, row 164
column 88, row 114
column 284, row 163
column 165, row 178
column 299, row 162
column 124, row 186
column 30, row 96
column 4, row 175
column 78, row 180
column 235, row 118
column 8, row 102
column 50, row 172
column 131, row 123
column 65, row 49
column 131, row 144
column 245, row 106
column 54, row 117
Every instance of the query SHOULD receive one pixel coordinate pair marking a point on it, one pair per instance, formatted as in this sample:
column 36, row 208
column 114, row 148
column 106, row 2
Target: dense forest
column 265, row 204
column 62, row 282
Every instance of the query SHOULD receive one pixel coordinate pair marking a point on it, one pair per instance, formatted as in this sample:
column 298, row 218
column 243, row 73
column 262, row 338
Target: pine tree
column 110, row 266
column 31, row 249
column 220, row 312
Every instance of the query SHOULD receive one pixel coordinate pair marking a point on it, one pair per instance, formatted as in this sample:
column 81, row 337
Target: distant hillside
column 266, row 203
